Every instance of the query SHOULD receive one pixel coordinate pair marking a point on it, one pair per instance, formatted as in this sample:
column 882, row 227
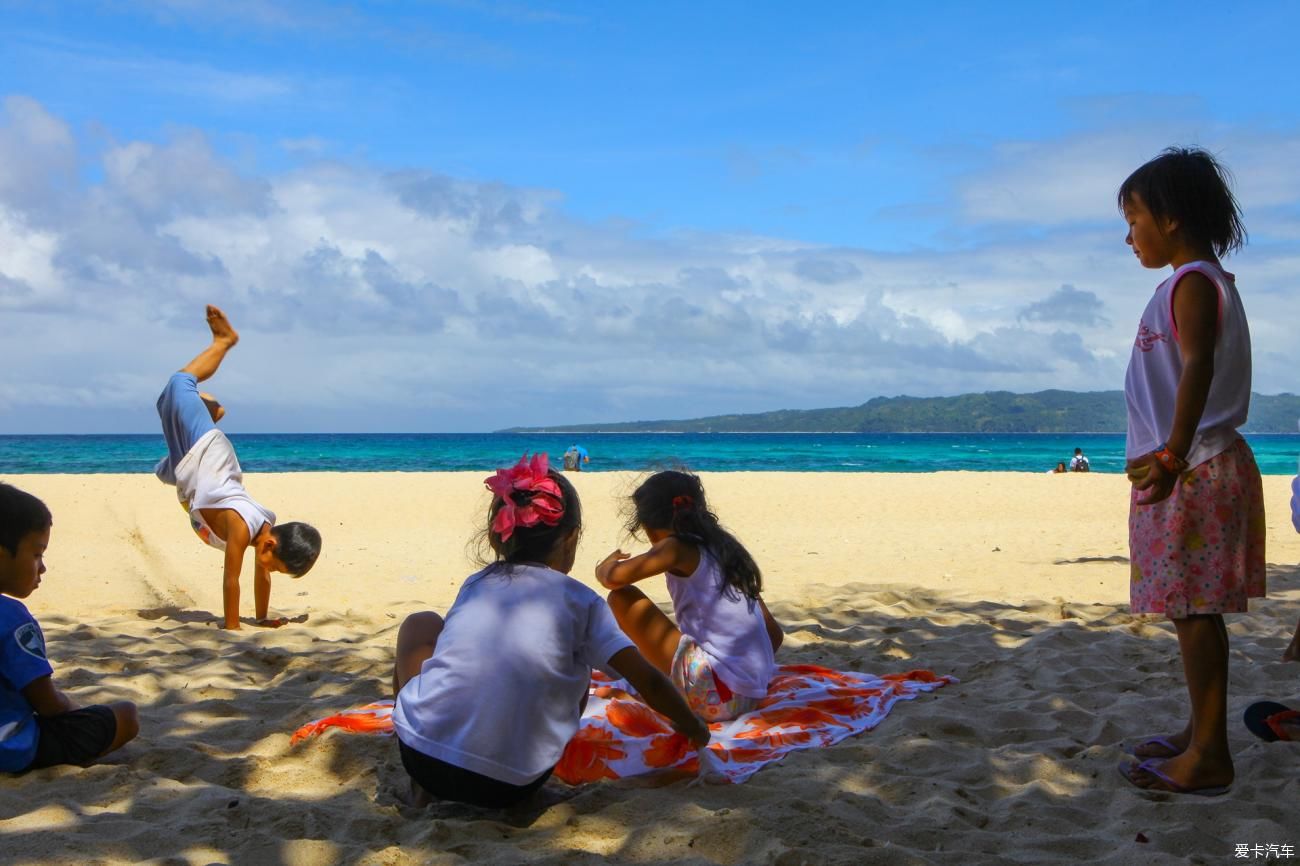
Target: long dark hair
column 1191, row 187
column 530, row 543
column 674, row 500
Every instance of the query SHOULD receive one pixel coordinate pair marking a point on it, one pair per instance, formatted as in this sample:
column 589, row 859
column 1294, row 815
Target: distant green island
column 990, row 412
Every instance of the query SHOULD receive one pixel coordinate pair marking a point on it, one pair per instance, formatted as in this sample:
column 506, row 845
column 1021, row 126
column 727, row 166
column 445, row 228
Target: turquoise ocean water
column 709, row 452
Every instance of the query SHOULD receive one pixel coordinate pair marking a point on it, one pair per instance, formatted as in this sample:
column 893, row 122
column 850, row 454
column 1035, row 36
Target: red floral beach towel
column 806, row 706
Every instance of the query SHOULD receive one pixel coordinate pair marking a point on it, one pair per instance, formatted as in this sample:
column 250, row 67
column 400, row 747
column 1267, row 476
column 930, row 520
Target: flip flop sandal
column 1163, row 742
column 1265, row 720
column 1151, row 767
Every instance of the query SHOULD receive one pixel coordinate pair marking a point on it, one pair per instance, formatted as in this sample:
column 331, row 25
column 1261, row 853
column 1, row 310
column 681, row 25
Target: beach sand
column 1017, row 584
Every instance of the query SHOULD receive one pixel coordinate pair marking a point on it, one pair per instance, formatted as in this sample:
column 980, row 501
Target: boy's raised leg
column 224, row 338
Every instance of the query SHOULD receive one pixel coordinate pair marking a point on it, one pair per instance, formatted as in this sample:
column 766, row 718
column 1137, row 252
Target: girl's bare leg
column 1207, row 761
column 649, row 627
column 1181, row 739
column 224, row 338
column 416, row 640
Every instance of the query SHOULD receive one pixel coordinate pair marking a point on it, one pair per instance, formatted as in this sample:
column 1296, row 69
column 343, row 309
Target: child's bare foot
column 215, row 409
column 222, row 332
column 1187, row 773
column 413, row 796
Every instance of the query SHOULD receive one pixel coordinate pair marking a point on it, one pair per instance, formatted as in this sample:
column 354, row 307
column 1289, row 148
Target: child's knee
column 128, row 720
column 419, row 627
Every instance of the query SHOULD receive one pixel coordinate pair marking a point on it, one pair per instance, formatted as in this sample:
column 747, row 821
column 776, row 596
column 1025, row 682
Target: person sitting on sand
column 488, row 698
column 202, row 465
column 721, row 651
column 1059, row 470
column 40, row 726
column 1269, row 720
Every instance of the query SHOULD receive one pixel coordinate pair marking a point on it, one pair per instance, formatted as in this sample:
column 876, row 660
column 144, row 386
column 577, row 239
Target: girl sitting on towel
column 488, row 697
column 721, row 651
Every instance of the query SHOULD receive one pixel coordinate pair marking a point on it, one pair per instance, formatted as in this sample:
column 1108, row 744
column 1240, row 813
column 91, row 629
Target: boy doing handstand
column 201, row 463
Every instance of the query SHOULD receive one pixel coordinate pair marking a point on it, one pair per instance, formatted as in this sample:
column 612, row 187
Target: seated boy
column 40, row 726
column 201, row 463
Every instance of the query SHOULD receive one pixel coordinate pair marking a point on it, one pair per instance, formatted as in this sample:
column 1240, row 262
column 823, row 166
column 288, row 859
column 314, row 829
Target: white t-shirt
column 209, row 476
column 500, row 696
column 1156, row 365
column 726, row 625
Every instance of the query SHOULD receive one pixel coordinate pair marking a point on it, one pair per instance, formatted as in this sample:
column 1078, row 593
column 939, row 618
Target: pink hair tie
column 681, row 503
column 545, row 504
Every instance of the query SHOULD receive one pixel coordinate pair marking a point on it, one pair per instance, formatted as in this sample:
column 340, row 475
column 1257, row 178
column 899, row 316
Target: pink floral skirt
column 1201, row 551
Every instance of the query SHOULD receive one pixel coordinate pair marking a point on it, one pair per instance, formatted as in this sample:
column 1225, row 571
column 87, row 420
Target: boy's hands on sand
column 607, row 565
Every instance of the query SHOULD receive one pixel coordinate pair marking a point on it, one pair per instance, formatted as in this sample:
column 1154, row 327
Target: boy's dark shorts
column 77, row 737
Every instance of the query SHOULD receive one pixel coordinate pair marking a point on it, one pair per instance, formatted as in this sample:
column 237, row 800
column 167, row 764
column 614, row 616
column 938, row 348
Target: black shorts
column 449, row 782
column 77, row 737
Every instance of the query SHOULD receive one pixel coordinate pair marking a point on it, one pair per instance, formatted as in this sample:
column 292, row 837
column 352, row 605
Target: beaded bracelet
column 1169, row 460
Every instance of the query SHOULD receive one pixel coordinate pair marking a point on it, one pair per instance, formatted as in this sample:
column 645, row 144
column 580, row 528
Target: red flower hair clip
column 683, row 503
column 544, row 505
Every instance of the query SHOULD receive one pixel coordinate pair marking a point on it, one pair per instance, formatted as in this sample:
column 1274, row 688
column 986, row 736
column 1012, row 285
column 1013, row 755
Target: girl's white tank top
column 1156, row 365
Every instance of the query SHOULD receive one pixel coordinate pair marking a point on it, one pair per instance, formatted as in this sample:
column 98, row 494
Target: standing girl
column 720, row 653
column 488, row 698
column 1196, row 513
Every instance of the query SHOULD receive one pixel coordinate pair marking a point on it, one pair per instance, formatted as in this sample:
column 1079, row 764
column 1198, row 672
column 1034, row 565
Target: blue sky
column 468, row 215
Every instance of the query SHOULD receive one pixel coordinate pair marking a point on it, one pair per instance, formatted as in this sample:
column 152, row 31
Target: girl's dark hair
column 1190, row 187
column 20, row 515
column 533, row 543
column 674, row 500
column 296, row 545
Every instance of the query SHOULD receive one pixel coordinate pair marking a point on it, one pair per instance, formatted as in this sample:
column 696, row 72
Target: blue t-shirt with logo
column 22, row 660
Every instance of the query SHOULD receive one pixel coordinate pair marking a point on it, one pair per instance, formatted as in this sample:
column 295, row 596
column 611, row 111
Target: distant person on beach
column 575, row 457
column 1196, row 512
column 721, row 651
column 1059, row 470
column 1079, row 463
column 202, row 465
column 488, row 697
column 40, row 726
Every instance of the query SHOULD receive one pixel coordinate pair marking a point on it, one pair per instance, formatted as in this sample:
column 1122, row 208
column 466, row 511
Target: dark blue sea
column 709, row 452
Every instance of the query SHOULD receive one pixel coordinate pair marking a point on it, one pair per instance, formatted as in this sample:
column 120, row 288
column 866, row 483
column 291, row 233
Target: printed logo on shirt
column 204, row 534
column 1147, row 338
column 31, row 640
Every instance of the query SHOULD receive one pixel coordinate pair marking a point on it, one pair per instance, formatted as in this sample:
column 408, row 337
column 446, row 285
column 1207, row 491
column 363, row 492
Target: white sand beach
column 1017, row 584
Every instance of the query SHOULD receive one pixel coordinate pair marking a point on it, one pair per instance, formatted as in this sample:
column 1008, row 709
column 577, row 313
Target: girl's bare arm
column 670, row 554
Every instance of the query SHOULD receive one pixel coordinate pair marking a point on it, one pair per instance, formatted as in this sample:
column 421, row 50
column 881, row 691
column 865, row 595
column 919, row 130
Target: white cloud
column 374, row 299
